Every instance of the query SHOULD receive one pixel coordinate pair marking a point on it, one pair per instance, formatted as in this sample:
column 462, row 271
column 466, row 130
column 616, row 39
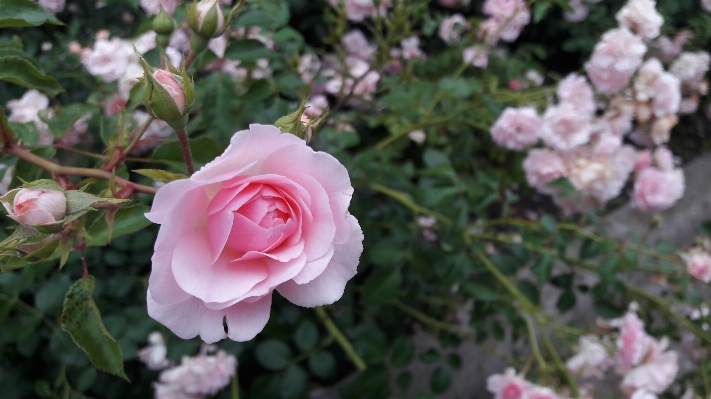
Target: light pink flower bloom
column 580, row 11
column 308, row 68
column 516, row 128
column 642, row 160
column 656, row 190
column 36, row 207
column 358, row 10
column 543, row 166
column 507, row 385
column 642, row 17
column 603, row 173
column 619, row 115
column 661, row 129
column 452, row 27
column 154, row 355
column 664, row 159
column 503, row 9
column 357, row 45
column 576, row 91
column 615, row 59
column 537, row 392
column 169, row 391
column 657, row 372
column 269, row 214
column 475, row 55
column 667, row 95
column 418, row 136
column 202, row 374
column 108, row 59
column 564, row 127
column 152, row 7
column 53, row 6
column 27, row 109
column 706, row 5
column 591, row 359
column 690, row 68
column 698, row 264
column 633, row 343
column 317, row 105
column 411, row 48
column 641, row 394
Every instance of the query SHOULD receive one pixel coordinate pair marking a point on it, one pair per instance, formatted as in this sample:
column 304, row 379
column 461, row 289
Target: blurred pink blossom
column 27, row 109
column 591, row 358
column 576, row 91
column 578, row 14
column 357, row 45
column 358, row 10
column 516, row 128
column 411, row 48
column 543, row 166
column 670, row 49
column 690, row 68
column 452, row 27
column 201, row 375
column 656, row 190
column 108, row 59
column 53, row 6
column 656, row 373
column 698, row 264
column 454, row 3
column 642, row 17
column 152, row 7
column 614, row 60
column 564, row 127
column 507, row 385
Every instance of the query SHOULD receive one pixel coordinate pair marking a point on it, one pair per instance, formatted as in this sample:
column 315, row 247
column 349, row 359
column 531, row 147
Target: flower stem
column 52, row 167
column 429, row 320
column 235, row 385
column 340, row 338
column 185, row 147
column 138, row 136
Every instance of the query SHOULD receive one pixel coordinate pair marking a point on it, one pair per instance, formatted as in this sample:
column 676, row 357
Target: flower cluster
column 643, row 363
column 195, row 377
column 630, row 98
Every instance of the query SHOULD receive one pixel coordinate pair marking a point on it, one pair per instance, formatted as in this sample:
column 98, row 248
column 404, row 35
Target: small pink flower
column 475, row 55
column 452, row 27
column 576, row 91
column 411, row 48
column 53, row 6
column 108, row 60
column 36, row 207
column 516, row 128
column 706, row 4
column 615, row 59
column 357, row 45
column 174, row 88
column 358, row 10
column 642, row 17
column 642, row 160
column 269, row 214
column 543, row 166
column 656, row 373
column 507, row 385
column 152, row 7
column 591, row 359
column 579, row 11
column 633, row 343
column 565, row 127
column 698, row 264
column 201, row 375
column 656, row 190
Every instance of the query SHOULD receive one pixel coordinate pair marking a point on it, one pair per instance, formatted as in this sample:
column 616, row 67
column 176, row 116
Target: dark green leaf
column 22, row 73
column 429, row 356
column 566, row 300
column 530, row 291
column 440, row 380
column 382, row 287
column 128, row 219
column 21, row 13
column 543, row 268
column 589, row 249
column 454, row 360
column 273, row 354
column 293, row 383
column 323, row 364
column 403, row 351
column 81, row 319
column 549, row 224
column 248, row 50
column 306, row 336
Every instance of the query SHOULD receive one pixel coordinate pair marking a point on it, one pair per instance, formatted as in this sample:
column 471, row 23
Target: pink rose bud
column 175, row 88
column 698, row 264
column 33, row 207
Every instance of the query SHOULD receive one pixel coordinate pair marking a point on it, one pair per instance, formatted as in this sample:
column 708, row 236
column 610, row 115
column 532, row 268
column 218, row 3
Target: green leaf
column 589, row 249
column 540, row 10
column 306, row 336
column 454, row 360
column 160, row 175
column 404, row 380
column 273, row 354
column 22, row 73
column 81, row 319
column 566, row 300
column 78, row 201
column 549, row 224
column 530, row 291
column 128, row 219
column 21, row 13
column 440, row 380
column 430, row 356
column 248, row 50
column 60, row 123
column 543, row 268
column 323, row 364
column 403, row 352
column 293, row 383
column 381, row 287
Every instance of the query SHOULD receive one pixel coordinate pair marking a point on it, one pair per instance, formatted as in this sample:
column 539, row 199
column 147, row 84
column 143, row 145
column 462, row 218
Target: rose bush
column 269, row 214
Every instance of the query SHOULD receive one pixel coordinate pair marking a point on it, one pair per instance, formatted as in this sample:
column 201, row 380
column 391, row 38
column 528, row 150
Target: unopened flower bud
column 164, row 26
column 169, row 95
column 37, row 207
column 294, row 124
column 206, row 18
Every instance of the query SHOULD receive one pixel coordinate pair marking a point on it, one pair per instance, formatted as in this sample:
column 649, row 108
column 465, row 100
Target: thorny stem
column 185, row 148
column 52, row 167
column 340, row 338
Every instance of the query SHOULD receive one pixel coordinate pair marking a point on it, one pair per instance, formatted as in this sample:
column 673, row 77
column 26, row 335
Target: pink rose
column 516, row 128
column 507, row 385
column 36, row 207
column 656, row 190
column 270, row 213
column 698, row 264
column 174, row 88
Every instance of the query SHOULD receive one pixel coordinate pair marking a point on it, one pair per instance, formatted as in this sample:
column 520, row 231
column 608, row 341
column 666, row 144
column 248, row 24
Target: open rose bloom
column 269, row 214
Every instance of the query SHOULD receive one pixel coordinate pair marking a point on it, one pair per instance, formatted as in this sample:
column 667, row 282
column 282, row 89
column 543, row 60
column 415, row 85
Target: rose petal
column 322, row 167
column 314, row 268
column 189, row 318
column 166, row 290
column 219, row 282
column 245, row 320
column 329, row 286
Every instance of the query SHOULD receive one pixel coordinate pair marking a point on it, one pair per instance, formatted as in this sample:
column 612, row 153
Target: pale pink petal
column 314, row 268
column 189, row 318
column 329, row 286
column 245, row 320
column 166, row 290
column 167, row 196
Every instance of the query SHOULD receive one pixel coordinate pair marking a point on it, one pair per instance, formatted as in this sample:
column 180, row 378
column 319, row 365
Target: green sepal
column 160, row 175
